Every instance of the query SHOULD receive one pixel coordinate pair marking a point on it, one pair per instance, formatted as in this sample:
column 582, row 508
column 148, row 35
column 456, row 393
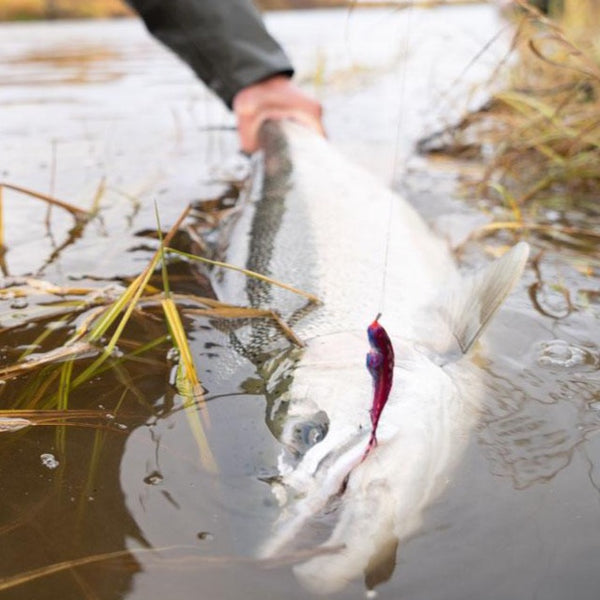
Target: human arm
column 226, row 44
column 223, row 41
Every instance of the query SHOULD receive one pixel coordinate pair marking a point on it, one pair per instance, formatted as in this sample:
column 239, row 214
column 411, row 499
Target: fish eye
column 309, row 434
column 301, row 435
column 313, row 434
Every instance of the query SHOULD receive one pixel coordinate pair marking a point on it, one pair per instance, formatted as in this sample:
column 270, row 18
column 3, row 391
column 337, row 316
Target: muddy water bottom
column 119, row 503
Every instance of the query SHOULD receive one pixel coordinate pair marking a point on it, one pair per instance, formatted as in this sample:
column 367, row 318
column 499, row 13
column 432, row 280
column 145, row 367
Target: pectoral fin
column 467, row 307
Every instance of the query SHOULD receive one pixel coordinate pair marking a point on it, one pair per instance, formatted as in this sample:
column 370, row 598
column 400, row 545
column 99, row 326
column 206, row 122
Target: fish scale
column 324, row 237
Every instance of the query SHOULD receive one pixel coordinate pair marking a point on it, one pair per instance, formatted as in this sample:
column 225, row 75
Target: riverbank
column 30, row 10
column 536, row 138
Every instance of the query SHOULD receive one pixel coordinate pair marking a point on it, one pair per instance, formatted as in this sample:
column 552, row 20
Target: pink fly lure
column 380, row 363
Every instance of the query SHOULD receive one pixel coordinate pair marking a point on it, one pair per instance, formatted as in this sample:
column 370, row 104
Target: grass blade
column 246, row 272
column 78, row 213
column 188, row 384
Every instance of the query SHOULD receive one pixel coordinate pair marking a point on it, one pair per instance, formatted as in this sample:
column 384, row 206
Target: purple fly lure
column 380, row 363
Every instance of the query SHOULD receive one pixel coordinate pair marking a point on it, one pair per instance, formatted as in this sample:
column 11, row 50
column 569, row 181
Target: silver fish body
column 328, row 227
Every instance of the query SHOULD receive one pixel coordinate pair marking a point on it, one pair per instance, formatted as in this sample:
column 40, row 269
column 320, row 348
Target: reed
column 538, row 137
column 101, row 316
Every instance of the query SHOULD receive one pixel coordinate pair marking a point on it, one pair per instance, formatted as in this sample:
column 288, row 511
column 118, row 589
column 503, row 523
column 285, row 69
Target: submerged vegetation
column 538, row 136
column 63, row 338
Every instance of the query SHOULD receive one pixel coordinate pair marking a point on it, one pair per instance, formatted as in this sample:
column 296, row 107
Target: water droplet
column 19, row 303
column 371, row 594
column 205, row 536
column 122, row 426
column 155, row 478
column 558, row 353
column 110, row 417
column 49, row 460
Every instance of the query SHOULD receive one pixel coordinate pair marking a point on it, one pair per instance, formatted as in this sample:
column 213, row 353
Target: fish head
column 377, row 499
column 332, row 385
column 329, row 397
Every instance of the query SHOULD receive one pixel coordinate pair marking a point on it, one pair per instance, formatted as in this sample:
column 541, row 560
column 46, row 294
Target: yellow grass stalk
column 192, row 561
column 188, row 383
column 13, row 419
column 241, row 312
column 509, row 199
column 246, row 272
column 79, row 213
column 489, row 228
column 132, row 294
column 7, row 583
column 98, row 196
column 127, row 303
column 129, row 299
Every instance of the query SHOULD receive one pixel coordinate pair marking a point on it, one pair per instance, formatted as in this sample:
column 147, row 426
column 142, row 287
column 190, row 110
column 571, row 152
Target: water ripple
column 562, row 354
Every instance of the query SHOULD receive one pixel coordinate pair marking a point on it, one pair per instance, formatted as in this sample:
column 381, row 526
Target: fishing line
column 400, row 127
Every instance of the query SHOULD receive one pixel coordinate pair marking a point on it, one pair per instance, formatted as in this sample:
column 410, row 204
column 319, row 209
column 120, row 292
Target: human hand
column 274, row 98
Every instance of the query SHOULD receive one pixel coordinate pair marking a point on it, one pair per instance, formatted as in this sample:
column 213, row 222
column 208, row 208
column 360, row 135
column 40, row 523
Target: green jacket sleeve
column 224, row 41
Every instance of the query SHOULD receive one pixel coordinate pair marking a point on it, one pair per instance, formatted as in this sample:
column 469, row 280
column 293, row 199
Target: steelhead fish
column 318, row 225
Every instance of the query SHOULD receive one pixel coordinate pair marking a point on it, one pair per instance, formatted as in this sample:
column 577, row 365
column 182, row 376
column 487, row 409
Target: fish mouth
column 313, row 490
column 325, row 468
column 346, row 452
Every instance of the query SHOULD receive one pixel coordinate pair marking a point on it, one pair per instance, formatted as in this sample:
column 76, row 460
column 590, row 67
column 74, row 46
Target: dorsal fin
column 467, row 307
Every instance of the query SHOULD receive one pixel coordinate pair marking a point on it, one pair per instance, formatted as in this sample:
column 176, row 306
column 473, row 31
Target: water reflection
column 534, row 424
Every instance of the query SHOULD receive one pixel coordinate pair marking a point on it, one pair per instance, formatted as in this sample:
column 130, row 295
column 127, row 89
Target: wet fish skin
column 324, row 235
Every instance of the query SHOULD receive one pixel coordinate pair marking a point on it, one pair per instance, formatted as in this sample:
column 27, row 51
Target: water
column 83, row 102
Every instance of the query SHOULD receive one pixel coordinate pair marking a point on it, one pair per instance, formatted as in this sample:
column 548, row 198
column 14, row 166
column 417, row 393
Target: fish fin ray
column 466, row 308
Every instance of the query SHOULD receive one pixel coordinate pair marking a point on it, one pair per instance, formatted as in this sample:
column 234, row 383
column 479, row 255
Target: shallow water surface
column 119, row 502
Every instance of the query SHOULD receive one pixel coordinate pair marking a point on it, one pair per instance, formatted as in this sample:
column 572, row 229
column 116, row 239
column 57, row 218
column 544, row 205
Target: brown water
column 83, row 103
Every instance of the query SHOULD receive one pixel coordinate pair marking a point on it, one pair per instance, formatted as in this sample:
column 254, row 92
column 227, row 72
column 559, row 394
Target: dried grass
column 539, row 136
column 44, row 9
column 106, row 311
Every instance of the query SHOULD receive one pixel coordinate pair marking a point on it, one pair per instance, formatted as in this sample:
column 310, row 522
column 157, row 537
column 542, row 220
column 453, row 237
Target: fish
column 328, row 226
